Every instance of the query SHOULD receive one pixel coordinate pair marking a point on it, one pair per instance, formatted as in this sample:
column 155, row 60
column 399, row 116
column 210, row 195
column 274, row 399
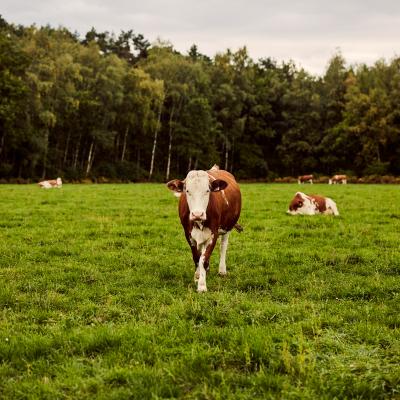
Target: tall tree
column 298, row 148
column 332, row 90
column 180, row 77
column 13, row 93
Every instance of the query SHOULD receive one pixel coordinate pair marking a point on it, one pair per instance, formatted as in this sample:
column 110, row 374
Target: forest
column 115, row 106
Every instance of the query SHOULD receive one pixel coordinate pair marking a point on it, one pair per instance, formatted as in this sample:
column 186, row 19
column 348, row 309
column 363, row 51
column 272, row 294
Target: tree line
column 116, row 106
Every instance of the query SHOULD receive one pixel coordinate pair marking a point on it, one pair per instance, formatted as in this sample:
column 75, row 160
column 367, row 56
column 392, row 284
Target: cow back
column 320, row 202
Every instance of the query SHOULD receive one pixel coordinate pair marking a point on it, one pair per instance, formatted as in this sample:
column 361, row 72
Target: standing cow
column 338, row 179
column 209, row 206
column 305, row 178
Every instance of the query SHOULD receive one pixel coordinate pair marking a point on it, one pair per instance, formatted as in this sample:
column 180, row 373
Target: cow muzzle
column 197, row 216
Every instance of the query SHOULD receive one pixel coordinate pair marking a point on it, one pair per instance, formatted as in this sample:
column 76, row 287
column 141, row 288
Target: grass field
column 97, row 298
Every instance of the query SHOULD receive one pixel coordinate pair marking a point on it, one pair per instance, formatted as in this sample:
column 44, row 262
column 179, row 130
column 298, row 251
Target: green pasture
column 97, row 299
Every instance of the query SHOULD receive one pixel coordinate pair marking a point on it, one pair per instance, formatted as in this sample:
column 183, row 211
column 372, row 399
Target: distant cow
column 305, row 178
column 338, row 179
column 209, row 206
column 53, row 183
column 311, row 205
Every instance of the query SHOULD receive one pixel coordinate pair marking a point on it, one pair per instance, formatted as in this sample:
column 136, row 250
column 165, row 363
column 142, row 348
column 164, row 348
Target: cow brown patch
column 296, row 203
column 319, row 202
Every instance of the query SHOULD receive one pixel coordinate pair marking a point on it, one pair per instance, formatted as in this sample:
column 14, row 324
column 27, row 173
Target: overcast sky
column 308, row 32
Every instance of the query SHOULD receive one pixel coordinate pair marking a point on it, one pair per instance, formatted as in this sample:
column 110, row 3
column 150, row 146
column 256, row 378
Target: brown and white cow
column 305, row 178
column 209, row 206
column 53, row 183
column 311, row 205
column 338, row 179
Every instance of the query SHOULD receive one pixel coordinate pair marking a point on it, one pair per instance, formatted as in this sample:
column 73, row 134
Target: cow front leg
column 195, row 255
column 222, row 258
column 196, row 260
column 204, row 263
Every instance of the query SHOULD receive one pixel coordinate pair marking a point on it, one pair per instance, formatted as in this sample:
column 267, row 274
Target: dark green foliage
column 113, row 107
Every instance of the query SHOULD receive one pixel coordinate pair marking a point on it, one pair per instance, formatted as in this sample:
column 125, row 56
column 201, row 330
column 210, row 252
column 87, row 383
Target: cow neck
column 199, row 225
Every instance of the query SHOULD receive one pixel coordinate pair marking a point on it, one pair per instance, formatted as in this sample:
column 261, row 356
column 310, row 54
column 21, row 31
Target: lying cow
column 305, row 178
column 311, row 205
column 338, row 179
column 209, row 206
column 53, row 183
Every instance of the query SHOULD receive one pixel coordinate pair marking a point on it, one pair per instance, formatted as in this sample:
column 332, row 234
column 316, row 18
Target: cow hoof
column 222, row 273
column 202, row 289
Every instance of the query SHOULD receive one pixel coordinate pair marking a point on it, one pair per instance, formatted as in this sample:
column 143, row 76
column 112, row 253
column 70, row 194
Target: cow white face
column 197, row 187
column 301, row 205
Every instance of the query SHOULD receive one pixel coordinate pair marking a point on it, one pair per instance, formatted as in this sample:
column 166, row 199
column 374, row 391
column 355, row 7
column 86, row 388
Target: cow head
column 301, row 204
column 197, row 187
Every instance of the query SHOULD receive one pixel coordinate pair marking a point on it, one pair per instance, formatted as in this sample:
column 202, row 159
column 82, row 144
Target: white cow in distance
column 53, row 183
column 305, row 178
column 338, row 179
column 312, row 205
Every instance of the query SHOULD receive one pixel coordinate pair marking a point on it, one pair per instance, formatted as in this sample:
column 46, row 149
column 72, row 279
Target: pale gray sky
column 308, row 32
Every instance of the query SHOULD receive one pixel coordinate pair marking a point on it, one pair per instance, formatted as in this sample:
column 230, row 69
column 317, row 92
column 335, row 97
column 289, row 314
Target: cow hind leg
column 222, row 259
column 334, row 209
column 331, row 207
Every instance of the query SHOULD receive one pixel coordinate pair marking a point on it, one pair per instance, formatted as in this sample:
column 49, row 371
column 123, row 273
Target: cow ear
column 218, row 185
column 175, row 185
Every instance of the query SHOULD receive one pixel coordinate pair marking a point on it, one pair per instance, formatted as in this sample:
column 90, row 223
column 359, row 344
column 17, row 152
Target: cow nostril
column 197, row 215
